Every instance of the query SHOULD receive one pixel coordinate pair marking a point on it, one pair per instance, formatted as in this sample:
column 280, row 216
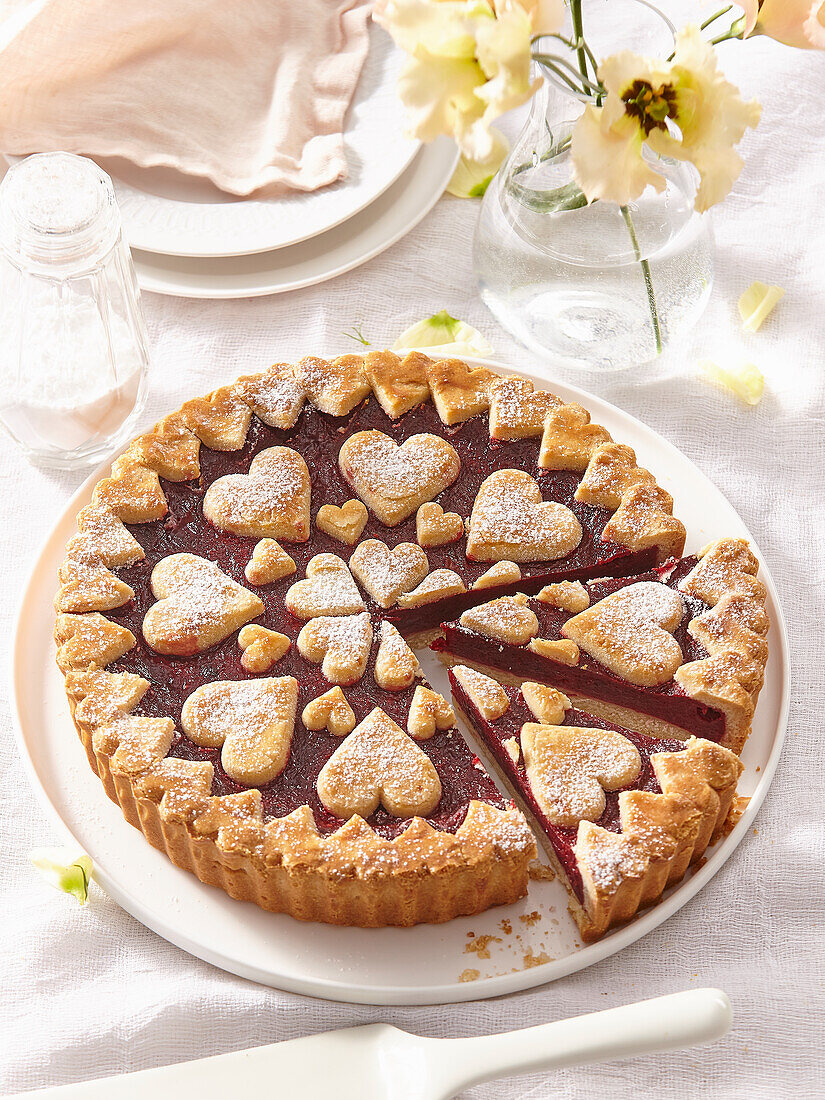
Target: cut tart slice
column 621, row 815
column 678, row 651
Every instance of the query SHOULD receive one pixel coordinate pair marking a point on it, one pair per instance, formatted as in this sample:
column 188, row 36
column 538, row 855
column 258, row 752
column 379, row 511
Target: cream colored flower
column 798, row 23
column 743, row 379
column 472, row 177
column 64, row 868
column 756, row 303
column 469, row 63
column 683, row 109
column 442, row 334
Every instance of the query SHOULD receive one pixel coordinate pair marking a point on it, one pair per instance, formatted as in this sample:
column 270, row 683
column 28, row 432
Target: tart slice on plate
column 621, row 815
column 677, row 651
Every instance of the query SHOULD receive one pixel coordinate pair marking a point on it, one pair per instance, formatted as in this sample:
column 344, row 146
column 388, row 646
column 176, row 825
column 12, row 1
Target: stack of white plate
column 192, row 240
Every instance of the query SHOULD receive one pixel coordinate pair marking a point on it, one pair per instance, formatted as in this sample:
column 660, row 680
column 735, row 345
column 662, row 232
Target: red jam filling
column 318, row 437
column 667, row 702
column 494, row 734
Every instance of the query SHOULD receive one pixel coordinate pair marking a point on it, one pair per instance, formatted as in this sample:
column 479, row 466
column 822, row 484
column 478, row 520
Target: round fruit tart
column 239, row 613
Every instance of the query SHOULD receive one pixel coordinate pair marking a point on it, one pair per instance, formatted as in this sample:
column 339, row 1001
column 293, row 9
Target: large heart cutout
column 570, row 768
column 394, row 480
column 630, row 632
column 198, row 606
column 387, row 574
column 511, row 522
column 271, row 501
column 341, row 643
column 378, row 763
column 328, row 589
column 252, row 720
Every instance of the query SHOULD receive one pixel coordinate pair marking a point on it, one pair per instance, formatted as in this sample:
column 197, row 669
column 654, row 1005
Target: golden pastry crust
column 353, row 876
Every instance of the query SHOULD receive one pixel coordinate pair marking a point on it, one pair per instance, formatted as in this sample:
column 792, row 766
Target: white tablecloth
column 89, row 992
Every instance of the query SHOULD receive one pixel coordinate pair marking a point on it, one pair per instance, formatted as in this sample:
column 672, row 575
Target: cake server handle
column 663, row 1023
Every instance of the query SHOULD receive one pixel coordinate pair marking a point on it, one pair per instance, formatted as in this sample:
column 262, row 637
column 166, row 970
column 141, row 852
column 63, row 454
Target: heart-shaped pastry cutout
column 429, row 712
column 507, row 619
column 547, row 705
column 503, row 572
column 630, row 632
column 488, row 696
column 342, row 645
column 331, row 712
column 261, row 647
column 392, row 480
column 435, row 527
column 396, row 666
column 198, row 606
column 570, row 768
column 252, row 719
column 437, row 585
column 378, row 763
column 328, row 589
column 511, row 522
column 271, row 501
column 269, row 562
column 387, row 574
column 345, row 523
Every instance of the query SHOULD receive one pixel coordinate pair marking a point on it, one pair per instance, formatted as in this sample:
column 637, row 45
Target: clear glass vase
column 592, row 286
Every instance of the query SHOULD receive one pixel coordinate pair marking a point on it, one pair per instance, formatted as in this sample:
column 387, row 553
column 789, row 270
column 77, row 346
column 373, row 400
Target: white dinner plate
column 167, row 212
column 531, row 942
column 360, row 238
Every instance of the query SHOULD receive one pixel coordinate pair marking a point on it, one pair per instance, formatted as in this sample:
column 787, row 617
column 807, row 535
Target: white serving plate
column 419, row 965
column 167, row 212
column 385, row 221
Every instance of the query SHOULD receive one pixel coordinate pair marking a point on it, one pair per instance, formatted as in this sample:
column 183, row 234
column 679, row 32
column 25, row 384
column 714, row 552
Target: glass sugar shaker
column 73, row 348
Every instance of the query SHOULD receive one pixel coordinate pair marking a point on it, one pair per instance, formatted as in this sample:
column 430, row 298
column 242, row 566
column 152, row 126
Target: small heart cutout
column 429, row 712
column 396, row 666
column 630, row 632
column 507, row 619
column 345, row 523
column 435, row 527
column 511, row 522
column 570, row 768
column 261, row 647
column 252, row 720
column 269, row 562
column 331, row 712
column 342, row 645
column 378, row 763
column 327, row 590
column 394, row 480
column 271, row 501
column 198, row 606
column 387, row 574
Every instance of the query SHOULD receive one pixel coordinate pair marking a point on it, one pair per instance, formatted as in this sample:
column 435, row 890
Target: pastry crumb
column 506, row 927
column 540, row 872
column 469, row 975
column 530, row 919
column 530, row 960
column 738, row 807
column 481, row 945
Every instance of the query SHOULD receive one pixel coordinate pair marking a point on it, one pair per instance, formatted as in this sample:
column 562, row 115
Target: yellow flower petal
column 756, row 303
column 472, row 177
column 442, row 334
column 64, row 868
column 745, row 380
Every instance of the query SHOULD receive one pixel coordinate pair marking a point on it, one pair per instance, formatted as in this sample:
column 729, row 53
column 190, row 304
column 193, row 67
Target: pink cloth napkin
column 251, row 94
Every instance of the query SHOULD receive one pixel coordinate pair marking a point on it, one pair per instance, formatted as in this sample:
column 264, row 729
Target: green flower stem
column 651, row 297
column 713, row 18
column 581, row 54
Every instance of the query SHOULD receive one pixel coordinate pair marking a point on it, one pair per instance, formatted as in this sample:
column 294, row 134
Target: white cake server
column 380, row 1062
